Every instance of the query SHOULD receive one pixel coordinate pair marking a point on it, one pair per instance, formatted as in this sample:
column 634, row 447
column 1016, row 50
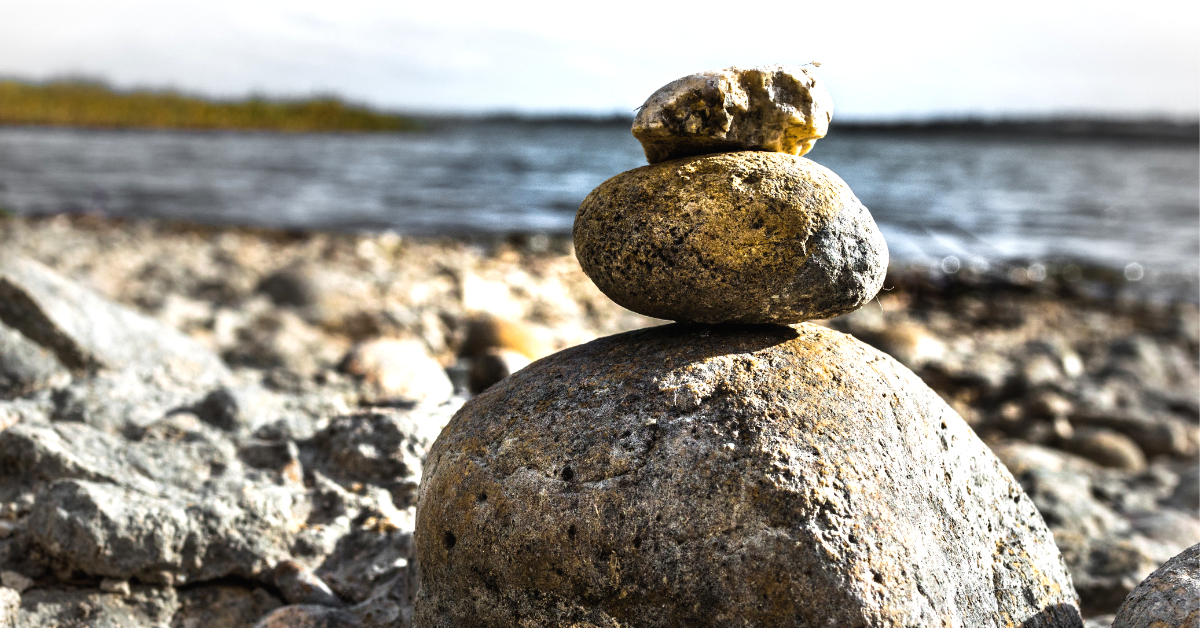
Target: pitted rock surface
column 1168, row 598
column 777, row 108
column 720, row 476
column 745, row 237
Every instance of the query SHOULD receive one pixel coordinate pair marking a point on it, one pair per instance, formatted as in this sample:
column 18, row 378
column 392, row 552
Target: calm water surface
column 981, row 200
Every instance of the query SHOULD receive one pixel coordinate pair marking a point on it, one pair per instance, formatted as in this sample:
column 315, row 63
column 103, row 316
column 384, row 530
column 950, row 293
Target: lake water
column 979, row 200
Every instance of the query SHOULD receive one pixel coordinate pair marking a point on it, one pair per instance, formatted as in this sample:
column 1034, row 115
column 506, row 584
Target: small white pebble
column 112, row 585
column 6, row 529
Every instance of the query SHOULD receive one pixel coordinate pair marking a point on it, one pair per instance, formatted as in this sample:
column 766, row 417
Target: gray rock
column 1106, row 522
column 1187, row 493
column 168, row 509
column 779, row 108
column 35, row 455
column 744, row 237
column 703, row 476
column 309, row 616
column 110, row 531
column 145, row 607
column 386, row 447
column 366, row 561
column 10, row 604
column 122, row 402
column 223, row 606
column 25, row 366
column 86, row 331
column 1168, row 598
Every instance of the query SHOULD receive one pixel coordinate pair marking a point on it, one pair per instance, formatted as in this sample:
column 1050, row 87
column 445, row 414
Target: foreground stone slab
column 88, row 332
column 738, row 237
column 778, row 108
column 726, row 475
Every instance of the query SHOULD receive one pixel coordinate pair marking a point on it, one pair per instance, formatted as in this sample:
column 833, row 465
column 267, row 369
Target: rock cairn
column 728, row 473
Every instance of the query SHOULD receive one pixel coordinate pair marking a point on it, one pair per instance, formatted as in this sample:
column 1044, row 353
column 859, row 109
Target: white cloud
column 880, row 58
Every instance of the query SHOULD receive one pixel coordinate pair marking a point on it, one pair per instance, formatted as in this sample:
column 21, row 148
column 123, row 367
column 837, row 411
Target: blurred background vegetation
column 94, row 104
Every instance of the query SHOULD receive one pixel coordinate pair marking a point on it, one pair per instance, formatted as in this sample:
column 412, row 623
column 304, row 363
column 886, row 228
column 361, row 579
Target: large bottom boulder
column 721, row 476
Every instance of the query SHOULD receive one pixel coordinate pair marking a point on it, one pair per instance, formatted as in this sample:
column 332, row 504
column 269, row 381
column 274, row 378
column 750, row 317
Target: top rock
column 776, row 108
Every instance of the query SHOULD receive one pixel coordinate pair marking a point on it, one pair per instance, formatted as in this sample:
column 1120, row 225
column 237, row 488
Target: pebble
column 1107, row 448
column 491, row 367
column 747, row 237
column 777, row 108
column 397, row 371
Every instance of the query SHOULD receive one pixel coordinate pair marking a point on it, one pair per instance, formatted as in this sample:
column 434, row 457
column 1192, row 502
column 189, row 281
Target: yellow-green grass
column 86, row 104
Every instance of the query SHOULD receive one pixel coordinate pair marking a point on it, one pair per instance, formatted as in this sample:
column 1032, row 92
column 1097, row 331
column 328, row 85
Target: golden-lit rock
column 777, row 108
column 748, row 237
column 726, row 475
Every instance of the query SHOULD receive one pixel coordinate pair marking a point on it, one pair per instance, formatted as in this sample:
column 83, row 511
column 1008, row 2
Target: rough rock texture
column 1169, row 598
column 743, row 237
column 778, row 108
column 145, row 607
column 223, row 606
column 86, row 331
column 711, row 476
column 1113, row 528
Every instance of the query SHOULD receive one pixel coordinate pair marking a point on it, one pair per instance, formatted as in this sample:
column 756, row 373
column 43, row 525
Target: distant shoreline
column 79, row 104
column 1151, row 129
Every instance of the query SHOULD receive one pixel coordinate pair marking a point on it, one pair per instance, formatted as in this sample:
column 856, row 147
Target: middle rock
column 746, row 237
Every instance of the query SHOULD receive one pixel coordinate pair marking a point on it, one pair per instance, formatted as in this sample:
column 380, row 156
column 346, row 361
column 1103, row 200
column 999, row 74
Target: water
column 978, row 200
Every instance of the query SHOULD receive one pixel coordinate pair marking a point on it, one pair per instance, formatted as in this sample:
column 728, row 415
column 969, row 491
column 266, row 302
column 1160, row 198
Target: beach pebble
column 777, row 108
column 747, row 237
column 397, row 371
column 1107, row 448
column 748, row 475
column 1168, row 598
column 493, row 366
column 485, row 332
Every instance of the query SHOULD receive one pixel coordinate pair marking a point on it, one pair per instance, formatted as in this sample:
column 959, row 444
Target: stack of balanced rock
column 738, row 468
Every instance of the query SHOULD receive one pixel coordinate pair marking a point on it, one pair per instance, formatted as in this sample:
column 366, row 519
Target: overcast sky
column 880, row 59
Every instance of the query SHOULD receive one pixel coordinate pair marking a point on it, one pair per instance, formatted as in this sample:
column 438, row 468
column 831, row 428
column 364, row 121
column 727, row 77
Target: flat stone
column 25, row 366
column 66, row 606
column 1168, row 598
column 89, row 332
column 721, row 475
column 745, row 237
column 777, row 108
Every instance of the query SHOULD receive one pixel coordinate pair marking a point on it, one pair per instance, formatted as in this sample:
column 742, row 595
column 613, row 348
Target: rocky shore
column 260, row 463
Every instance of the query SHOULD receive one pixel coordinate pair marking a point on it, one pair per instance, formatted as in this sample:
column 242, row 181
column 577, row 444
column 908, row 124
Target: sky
column 880, row 60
